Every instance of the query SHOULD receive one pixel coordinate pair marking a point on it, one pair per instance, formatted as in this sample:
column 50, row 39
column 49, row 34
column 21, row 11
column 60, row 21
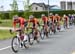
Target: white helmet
column 56, row 14
column 15, row 17
column 31, row 16
column 42, row 15
column 64, row 15
column 51, row 14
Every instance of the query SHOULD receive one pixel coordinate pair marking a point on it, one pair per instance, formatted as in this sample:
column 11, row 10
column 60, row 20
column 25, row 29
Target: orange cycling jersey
column 21, row 22
column 34, row 21
column 44, row 19
column 52, row 18
column 57, row 18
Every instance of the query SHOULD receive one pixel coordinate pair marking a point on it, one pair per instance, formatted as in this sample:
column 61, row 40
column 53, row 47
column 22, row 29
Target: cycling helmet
column 31, row 16
column 56, row 14
column 64, row 15
column 51, row 14
column 42, row 15
column 15, row 17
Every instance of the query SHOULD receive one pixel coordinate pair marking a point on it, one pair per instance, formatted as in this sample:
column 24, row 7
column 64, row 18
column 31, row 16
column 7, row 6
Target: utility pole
column 66, row 4
column 48, row 7
column 72, row 5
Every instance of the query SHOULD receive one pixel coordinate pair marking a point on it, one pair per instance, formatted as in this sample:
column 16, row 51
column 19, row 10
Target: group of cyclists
column 52, row 23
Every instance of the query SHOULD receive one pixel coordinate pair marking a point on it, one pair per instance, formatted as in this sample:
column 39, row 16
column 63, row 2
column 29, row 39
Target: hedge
column 36, row 14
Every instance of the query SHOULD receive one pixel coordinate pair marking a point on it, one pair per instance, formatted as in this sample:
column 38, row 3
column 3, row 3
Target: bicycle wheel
column 42, row 34
column 15, row 44
column 54, row 30
column 47, row 34
column 31, row 38
column 26, row 42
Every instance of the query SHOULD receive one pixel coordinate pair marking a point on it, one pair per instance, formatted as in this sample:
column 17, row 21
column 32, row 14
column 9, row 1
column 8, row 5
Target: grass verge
column 6, row 23
column 4, row 34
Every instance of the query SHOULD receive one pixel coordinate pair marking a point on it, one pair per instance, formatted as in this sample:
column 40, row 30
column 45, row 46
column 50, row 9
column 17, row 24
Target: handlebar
column 11, row 31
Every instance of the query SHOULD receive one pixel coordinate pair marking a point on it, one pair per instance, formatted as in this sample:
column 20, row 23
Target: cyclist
column 66, row 21
column 21, row 21
column 57, row 21
column 44, row 19
column 35, row 24
column 53, row 21
column 22, row 24
column 51, row 17
column 70, row 17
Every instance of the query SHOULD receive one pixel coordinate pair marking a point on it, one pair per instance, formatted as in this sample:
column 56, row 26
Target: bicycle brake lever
column 10, row 31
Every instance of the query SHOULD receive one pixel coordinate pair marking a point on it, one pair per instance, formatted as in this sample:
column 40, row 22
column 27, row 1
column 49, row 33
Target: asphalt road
column 61, row 43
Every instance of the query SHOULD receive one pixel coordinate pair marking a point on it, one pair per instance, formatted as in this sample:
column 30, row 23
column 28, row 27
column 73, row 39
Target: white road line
column 5, row 48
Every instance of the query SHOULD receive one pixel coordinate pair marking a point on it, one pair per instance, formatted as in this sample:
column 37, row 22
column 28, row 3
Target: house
column 67, row 5
column 38, row 7
column 41, row 7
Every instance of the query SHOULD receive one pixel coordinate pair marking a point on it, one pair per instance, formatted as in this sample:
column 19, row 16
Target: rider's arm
column 22, row 20
column 46, row 20
column 14, row 25
column 59, row 18
column 53, row 18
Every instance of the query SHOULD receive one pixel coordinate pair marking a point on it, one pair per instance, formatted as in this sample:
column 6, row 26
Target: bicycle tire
column 12, row 46
column 42, row 34
column 31, row 40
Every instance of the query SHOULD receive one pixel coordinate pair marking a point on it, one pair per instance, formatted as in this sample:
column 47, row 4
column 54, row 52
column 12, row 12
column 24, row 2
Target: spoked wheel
column 26, row 42
column 47, row 34
column 31, row 38
column 42, row 34
column 50, row 31
column 54, row 30
column 15, row 44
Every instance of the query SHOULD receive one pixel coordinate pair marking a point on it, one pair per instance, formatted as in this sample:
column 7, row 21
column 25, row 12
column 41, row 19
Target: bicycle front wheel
column 15, row 44
column 31, row 38
column 42, row 34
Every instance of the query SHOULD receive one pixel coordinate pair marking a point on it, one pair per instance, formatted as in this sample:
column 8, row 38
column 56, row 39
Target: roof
column 46, row 6
column 39, row 4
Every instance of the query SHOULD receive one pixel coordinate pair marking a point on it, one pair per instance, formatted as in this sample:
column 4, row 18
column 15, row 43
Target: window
column 36, row 8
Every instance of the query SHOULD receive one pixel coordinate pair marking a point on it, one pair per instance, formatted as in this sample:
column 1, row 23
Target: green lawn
column 6, row 23
column 4, row 34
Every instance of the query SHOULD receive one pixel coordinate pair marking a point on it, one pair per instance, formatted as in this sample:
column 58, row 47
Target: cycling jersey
column 34, row 21
column 52, row 18
column 21, row 22
column 45, row 20
column 57, row 18
column 66, row 18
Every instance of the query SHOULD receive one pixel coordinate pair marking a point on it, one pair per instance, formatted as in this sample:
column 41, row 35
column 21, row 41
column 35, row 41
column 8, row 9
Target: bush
column 0, row 22
column 26, row 14
column 61, row 13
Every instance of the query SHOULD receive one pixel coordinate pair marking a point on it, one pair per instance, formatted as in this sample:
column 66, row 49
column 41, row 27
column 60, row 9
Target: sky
column 6, row 3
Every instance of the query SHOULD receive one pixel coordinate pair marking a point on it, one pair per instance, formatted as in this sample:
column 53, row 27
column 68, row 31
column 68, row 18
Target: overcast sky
column 6, row 3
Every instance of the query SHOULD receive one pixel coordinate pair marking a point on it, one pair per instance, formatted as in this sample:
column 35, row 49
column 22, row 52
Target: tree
column 14, row 7
column 2, row 12
column 26, row 8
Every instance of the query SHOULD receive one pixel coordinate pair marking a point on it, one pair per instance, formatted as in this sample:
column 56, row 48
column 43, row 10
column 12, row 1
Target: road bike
column 19, row 41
